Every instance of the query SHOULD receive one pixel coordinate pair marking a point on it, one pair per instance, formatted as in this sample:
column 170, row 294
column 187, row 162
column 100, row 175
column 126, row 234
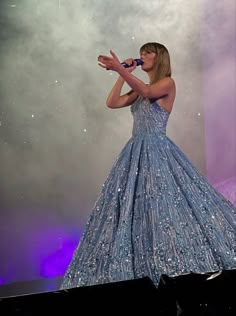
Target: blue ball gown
column 155, row 214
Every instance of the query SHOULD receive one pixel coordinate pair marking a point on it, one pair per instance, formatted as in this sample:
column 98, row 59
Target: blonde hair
column 162, row 65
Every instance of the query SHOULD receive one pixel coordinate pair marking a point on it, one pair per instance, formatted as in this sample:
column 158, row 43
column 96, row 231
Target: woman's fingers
column 113, row 55
column 103, row 57
column 107, row 61
column 102, row 65
column 103, row 60
column 129, row 61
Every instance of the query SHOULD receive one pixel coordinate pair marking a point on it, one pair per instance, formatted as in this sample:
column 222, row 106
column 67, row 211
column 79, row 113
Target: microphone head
column 139, row 61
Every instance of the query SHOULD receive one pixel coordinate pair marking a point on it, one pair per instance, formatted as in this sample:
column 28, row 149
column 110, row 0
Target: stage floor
column 210, row 294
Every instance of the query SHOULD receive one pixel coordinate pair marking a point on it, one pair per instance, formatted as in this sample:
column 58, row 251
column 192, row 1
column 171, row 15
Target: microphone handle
column 138, row 61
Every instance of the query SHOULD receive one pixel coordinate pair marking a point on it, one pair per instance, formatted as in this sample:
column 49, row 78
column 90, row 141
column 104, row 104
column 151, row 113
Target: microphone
column 138, row 61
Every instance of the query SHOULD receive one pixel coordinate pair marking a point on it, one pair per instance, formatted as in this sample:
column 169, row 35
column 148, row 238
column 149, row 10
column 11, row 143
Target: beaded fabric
column 155, row 214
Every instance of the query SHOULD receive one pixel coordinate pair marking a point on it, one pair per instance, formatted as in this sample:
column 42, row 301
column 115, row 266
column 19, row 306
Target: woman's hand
column 113, row 63
column 110, row 63
column 132, row 64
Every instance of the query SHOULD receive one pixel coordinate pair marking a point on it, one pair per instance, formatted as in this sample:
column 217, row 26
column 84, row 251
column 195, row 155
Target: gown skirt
column 155, row 214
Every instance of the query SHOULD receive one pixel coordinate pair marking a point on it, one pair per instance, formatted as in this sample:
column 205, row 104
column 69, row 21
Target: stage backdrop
column 58, row 140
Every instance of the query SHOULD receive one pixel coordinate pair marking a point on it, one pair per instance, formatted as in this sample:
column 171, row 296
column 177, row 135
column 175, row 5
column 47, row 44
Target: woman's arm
column 116, row 100
column 153, row 91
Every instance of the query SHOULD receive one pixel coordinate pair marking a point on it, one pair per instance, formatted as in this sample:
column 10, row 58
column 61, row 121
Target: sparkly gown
column 155, row 214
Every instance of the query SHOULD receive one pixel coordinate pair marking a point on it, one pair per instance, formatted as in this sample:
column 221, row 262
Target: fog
column 59, row 140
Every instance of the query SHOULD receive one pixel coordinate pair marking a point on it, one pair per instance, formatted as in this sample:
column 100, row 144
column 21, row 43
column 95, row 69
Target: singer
column 155, row 214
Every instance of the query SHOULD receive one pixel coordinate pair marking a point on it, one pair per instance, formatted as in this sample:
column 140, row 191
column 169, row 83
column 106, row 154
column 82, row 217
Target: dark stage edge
column 194, row 294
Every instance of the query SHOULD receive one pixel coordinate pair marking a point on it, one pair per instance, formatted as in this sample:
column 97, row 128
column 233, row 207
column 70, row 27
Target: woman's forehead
column 145, row 50
column 148, row 47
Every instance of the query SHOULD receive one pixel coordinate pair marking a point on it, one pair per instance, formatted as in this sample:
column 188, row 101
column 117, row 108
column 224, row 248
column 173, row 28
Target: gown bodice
column 149, row 117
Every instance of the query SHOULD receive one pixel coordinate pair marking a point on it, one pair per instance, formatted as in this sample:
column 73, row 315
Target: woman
column 156, row 214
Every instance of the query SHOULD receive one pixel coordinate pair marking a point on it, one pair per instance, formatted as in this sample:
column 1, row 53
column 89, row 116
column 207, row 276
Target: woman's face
column 147, row 58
